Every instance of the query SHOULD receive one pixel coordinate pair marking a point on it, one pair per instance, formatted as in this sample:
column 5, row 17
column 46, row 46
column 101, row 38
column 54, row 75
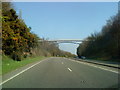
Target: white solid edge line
column 96, row 66
column 69, row 69
column 20, row 72
column 104, row 68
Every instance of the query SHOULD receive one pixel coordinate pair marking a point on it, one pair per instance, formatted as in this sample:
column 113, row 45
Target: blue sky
column 70, row 20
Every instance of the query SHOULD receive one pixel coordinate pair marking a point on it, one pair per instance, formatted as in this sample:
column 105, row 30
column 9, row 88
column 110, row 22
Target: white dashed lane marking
column 69, row 69
column 96, row 66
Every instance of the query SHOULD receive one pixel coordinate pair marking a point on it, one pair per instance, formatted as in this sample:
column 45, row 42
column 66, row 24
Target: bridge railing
column 74, row 41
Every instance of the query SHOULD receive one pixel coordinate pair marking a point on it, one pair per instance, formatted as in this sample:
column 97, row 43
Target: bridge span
column 74, row 41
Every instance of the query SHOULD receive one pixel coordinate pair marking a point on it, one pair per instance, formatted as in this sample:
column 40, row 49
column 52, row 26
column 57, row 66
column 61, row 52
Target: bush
column 16, row 56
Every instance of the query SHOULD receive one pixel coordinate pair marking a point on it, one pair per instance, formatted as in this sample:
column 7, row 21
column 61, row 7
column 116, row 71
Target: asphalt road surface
column 58, row 72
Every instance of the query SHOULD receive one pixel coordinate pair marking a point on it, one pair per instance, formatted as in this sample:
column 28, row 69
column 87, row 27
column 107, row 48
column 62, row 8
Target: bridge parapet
column 75, row 41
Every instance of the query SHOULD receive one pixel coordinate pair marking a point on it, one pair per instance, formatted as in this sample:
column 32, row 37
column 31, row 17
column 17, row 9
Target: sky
column 66, row 20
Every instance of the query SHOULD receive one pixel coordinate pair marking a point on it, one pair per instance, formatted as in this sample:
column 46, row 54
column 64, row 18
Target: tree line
column 19, row 42
column 104, row 45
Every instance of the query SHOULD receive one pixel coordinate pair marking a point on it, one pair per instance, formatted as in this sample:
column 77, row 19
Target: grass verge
column 9, row 65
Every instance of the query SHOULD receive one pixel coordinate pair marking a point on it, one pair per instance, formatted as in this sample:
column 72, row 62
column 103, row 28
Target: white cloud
column 69, row 47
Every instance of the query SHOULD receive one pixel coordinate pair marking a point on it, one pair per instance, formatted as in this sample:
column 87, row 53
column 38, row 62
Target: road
column 58, row 72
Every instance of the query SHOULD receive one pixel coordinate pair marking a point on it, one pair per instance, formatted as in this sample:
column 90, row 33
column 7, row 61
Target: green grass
column 9, row 65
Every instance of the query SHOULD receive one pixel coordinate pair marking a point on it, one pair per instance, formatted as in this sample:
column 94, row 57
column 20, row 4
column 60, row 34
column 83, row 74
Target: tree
column 105, row 44
column 16, row 36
